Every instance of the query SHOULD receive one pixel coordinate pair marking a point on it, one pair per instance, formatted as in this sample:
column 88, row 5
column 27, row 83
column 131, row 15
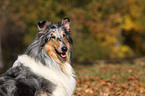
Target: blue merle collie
column 45, row 68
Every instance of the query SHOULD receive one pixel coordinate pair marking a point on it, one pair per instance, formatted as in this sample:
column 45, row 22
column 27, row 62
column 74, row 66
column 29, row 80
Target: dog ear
column 66, row 23
column 42, row 25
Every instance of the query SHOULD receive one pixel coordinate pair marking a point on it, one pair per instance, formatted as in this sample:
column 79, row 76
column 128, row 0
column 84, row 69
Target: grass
column 110, row 71
column 110, row 80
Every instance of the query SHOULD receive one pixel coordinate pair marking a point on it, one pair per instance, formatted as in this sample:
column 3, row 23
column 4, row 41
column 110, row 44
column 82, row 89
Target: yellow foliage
column 110, row 41
column 129, row 24
column 124, row 51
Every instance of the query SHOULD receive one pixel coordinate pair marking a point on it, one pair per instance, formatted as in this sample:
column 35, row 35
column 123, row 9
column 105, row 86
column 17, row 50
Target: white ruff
column 65, row 84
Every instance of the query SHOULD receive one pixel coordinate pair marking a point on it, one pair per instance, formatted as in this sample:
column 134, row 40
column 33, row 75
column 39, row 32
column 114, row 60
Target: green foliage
column 88, row 50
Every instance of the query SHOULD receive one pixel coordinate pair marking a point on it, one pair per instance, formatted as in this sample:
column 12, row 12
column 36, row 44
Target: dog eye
column 53, row 37
column 64, row 35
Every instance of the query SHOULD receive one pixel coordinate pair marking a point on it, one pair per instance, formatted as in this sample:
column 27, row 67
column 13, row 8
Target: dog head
column 55, row 39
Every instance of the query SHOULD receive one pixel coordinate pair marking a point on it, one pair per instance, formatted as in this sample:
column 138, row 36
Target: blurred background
column 101, row 29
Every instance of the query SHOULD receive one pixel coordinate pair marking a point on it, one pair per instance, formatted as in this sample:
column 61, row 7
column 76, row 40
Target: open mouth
column 62, row 55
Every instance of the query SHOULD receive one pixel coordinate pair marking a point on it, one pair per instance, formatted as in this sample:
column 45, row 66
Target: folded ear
column 42, row 25
column 66, row 23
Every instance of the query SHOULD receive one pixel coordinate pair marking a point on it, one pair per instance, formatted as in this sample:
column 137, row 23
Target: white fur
column 65, row 84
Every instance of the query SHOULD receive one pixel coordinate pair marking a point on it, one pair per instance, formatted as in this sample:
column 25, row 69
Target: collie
column 45, row 68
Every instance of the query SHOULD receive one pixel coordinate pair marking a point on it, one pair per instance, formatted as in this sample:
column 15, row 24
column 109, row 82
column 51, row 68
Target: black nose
column 64, row 49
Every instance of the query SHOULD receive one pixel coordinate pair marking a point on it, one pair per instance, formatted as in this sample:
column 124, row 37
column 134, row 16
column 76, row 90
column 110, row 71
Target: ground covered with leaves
column 110, row 80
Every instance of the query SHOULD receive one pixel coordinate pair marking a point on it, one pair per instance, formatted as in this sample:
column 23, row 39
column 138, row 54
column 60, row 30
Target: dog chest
column 65, row 84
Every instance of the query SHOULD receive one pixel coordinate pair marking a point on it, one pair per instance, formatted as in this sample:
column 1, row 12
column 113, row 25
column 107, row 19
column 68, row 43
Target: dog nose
column 64, row 49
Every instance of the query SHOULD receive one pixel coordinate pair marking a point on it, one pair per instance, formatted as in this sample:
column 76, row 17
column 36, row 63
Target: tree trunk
column 3, row 6
column 1, row 61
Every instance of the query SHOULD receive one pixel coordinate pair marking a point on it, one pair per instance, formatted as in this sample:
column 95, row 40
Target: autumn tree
column 100, row 29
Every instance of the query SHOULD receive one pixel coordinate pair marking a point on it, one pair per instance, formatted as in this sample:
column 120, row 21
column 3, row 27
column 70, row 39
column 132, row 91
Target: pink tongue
column 63, row 55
